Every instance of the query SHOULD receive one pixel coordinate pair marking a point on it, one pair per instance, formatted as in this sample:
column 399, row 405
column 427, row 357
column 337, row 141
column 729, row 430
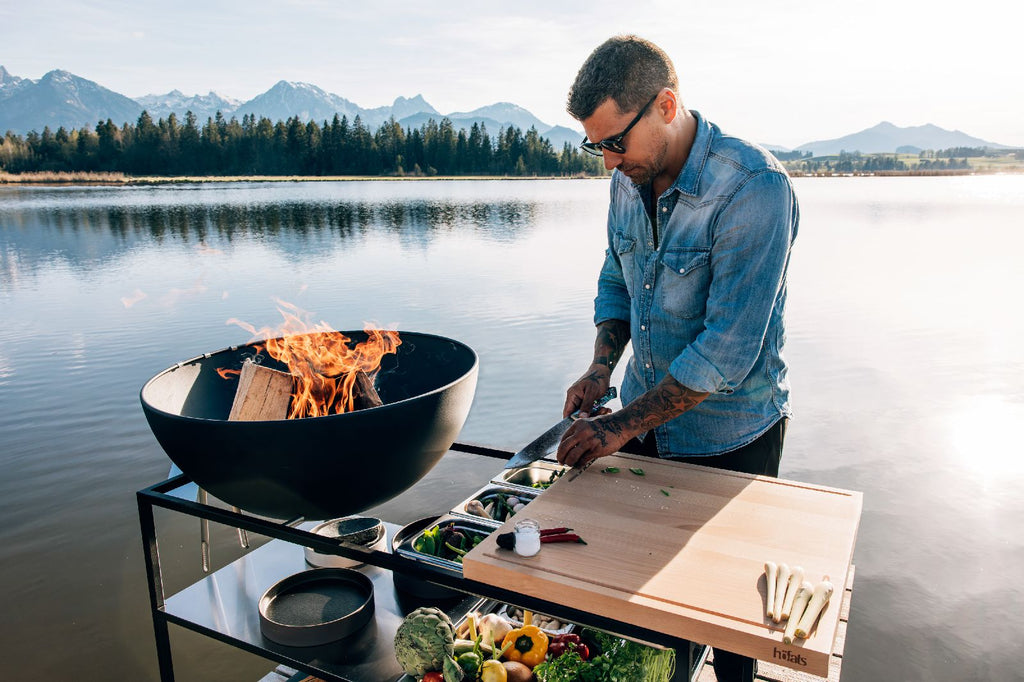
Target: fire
column 325, row 365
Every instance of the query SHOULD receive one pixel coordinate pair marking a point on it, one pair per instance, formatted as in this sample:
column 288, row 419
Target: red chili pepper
column 554, row 531
column 562, row 537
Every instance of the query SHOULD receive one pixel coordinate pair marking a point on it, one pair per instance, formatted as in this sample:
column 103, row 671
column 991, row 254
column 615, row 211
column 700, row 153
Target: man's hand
column 587, row 389
column 605, row 434
column 612, row 337
column 588, row 439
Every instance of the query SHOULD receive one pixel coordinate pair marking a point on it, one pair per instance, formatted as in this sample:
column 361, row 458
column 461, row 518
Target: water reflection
column 32, row 235
column 904, row 341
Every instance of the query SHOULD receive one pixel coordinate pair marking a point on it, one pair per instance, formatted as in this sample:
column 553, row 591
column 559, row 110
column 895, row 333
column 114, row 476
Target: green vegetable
column 427, row 542
column 619, row 660
column 424, row 640
column 460, row 552
column 664, row 492
column 638, row 471
column 451, row 669
column 610, row 470
column 470, row 663
column 543, row 485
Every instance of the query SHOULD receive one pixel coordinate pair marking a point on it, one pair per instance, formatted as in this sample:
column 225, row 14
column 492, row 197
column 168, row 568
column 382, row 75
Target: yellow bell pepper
column 529, row 645
column 493, row 671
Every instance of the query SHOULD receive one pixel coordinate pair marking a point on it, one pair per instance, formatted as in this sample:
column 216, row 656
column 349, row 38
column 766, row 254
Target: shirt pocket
column 685, row 282
column 625, row 251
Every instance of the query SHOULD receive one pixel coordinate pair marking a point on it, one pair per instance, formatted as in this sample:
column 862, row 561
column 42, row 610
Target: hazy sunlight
column 983, row 436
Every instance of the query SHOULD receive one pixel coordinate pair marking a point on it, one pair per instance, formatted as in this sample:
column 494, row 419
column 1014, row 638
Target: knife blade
column 547, row 442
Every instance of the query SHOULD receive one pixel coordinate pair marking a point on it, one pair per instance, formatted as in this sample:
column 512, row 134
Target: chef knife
column 547, row 442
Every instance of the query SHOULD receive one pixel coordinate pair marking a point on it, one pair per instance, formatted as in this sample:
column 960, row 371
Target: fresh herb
column 544, row 485
column 638, row 471
column 619, row 660
column 664, row 492
column 610, row 470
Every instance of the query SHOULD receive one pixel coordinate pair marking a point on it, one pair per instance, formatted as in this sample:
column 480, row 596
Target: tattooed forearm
column 667, row 400
column 612, row 337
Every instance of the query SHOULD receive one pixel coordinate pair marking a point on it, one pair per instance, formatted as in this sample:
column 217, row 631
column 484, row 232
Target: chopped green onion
column 610, row 470
column 665, row 492
column 638, row 471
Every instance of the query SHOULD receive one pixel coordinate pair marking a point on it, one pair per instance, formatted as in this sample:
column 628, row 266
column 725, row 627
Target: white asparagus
column 796, row 577
column 803, row 595
column 822, row 593
column 771, row 571
column 780, row 591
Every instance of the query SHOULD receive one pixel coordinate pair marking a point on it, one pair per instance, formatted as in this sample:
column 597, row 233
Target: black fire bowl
column 321, row 467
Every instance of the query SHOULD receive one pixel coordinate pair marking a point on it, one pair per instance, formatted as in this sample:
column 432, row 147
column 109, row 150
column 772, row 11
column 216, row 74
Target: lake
column 904, row 344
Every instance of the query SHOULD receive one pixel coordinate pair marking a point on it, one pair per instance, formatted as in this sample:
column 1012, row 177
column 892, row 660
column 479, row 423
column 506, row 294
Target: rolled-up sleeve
column 751, row 243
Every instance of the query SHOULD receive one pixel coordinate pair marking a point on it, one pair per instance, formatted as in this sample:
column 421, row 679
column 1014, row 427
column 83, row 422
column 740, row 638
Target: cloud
column 129, row 301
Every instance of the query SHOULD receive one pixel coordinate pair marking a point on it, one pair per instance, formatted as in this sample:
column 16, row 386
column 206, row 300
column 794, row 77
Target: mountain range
column 888, row 138
column 61, row 98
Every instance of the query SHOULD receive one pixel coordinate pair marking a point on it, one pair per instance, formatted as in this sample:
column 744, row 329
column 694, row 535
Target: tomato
column 433, row 677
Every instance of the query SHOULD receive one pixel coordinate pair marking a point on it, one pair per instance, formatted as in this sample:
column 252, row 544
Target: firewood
column 364, row 394
column 263, row 394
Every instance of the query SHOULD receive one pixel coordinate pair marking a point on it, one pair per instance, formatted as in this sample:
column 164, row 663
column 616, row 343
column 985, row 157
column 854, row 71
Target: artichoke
column 424, row 640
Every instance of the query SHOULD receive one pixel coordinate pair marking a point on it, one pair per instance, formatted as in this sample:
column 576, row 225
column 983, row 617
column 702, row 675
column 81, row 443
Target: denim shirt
column 707, row 303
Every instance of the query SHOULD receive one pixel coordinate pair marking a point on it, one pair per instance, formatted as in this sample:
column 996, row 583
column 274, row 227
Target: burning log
column 364, row 394
column 263, row 394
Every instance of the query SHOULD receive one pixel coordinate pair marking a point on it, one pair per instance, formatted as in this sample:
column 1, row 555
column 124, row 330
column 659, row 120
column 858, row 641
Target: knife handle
column 599, row 403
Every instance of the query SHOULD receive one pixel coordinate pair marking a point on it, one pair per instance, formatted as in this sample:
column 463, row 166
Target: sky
column 782, row 72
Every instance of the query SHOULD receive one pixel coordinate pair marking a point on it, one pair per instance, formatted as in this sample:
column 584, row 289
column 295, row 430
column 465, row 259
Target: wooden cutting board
column 681, row 550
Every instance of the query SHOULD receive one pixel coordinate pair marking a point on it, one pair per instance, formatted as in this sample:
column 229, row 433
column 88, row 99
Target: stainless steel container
column 477, row 526
column 536, row 476
column 491, row 491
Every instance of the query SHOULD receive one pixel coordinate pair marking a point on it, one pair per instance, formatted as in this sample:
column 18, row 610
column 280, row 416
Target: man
column 700, row 228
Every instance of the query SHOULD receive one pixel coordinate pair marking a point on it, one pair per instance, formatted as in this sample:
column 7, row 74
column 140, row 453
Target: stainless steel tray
column 524, row 494
column 515, row 616
column 533, row 477
column 476, row 524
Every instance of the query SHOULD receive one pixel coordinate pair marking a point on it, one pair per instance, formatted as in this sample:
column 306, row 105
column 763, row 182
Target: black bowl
column 320, row 467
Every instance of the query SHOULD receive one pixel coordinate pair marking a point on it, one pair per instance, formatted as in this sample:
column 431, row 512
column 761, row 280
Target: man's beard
column 643, row 173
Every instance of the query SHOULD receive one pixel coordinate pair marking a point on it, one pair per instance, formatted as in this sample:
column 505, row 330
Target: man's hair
column 626, row 68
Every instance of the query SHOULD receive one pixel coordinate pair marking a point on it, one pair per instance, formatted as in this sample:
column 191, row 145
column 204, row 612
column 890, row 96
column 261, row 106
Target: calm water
column 905, row 347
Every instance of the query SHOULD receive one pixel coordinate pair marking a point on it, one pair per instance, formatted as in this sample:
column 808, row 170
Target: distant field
column 913, row 164
column 78, row 178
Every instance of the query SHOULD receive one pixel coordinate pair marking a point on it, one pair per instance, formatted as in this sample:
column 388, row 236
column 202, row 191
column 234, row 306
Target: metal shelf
column 223, row 605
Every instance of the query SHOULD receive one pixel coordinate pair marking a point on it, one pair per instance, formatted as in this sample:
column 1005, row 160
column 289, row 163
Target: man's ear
column 667, row 105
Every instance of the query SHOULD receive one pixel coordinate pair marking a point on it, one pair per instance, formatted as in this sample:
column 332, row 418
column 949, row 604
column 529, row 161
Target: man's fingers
column 569, row 449
column 573, row 400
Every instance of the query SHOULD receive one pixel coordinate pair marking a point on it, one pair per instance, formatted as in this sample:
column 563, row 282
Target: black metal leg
column 156, row 589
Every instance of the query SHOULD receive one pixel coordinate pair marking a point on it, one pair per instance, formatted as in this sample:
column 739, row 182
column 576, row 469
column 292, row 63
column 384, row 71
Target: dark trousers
column 760, row 457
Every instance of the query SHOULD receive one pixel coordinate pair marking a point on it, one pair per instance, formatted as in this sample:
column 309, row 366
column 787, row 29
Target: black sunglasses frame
column 614, row 143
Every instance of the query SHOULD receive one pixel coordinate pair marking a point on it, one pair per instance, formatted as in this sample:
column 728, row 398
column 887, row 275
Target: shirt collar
column 688, row 180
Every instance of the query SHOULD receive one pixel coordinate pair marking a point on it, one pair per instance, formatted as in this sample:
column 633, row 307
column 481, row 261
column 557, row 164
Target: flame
column 324, row 363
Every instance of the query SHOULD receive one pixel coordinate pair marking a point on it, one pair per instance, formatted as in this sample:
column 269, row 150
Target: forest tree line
column 855, row 162
column 258, row 146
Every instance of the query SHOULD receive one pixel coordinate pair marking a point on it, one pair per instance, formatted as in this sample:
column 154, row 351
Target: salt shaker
column 527, row 537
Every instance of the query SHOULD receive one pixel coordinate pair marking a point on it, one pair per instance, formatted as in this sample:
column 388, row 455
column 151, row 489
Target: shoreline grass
column 111, row 178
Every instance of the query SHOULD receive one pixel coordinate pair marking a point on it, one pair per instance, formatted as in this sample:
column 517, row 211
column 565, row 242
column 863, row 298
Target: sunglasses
column 614, row 143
